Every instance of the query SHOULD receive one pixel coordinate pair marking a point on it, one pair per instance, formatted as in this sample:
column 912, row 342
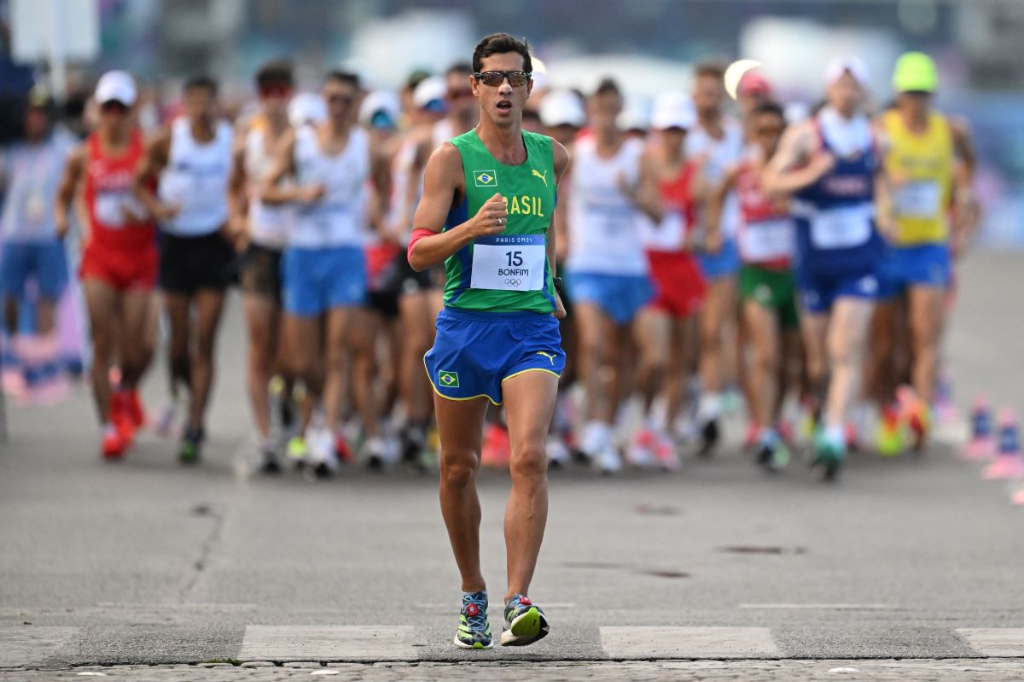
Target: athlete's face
column 341, row 98
column 708, row 95
column 846, row 95
column 768, row 129
column 603, row 110
column 274, row 98
column 114, row 116
column 37, row 123
column 201, row 105
column 502, row 103
column 917, row 103
column 672, row 139
column 460, row 94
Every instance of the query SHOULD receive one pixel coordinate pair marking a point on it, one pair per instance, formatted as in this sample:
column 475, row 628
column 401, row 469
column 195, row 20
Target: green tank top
column 508, row 272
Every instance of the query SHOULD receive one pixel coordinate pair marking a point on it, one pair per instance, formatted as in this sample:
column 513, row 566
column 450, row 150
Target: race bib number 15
column 509, row 262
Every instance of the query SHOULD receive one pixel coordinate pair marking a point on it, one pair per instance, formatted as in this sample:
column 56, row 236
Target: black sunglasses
column 114, row 105
column 495, row 78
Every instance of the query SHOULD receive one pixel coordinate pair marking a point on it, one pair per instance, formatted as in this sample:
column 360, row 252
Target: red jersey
column 680, row 211
column 108, row 191
column 766, row 235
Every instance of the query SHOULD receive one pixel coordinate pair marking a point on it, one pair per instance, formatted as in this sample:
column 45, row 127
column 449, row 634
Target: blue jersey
column 836, row 230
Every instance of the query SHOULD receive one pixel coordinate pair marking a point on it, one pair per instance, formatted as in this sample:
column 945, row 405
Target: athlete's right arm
column 155, row 159
column 716, row 204
column 66, row 192
column 238, row 200
column 784, row 173
column 284, row 165
column 442, row 181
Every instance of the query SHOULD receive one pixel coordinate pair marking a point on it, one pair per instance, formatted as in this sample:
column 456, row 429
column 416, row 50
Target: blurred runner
column 766, row 241
column 933, row 216
column 324, row 267
column 831, row 164
column 190, row 163
column 260, row 233
column 486, row 211
column 30, row 175
column 119, row 258
column 462, row 111
column 677, row 277
column 610, row 185
column 717, row 142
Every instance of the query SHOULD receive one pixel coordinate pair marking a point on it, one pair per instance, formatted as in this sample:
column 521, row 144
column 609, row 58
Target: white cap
column 305, row 108
column 673, row 109
column 540, row 75
column 855, row 66
column 430, row 90
column 379, row 102
column 562, row 107
column 116, row 86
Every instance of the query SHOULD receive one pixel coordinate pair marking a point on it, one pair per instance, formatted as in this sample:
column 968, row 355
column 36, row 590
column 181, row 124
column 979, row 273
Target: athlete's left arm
column 644, row 194
column 966, row 210
column 561, row 158
column 154, row 160
column 238, row 200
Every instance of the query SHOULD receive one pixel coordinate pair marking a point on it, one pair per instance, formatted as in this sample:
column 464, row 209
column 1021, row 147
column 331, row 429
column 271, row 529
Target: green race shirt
column 508, row 272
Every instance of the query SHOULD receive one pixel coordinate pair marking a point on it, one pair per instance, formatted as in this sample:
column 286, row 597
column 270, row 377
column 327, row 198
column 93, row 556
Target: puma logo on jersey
column 549, row 356
column 543, row 176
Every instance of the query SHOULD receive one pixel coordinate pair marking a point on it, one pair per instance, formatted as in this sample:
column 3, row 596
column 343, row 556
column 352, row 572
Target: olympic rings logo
column 513, row 282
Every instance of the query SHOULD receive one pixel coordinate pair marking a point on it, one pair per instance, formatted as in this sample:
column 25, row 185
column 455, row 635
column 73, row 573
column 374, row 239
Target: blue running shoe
column 474, row 631
column 524, row 622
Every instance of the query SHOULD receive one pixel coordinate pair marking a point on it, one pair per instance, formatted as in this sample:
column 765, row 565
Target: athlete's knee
column 529, row 461
column 458, row 468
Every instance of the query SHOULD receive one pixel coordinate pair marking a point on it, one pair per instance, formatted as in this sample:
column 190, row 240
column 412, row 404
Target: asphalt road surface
column 908, row 568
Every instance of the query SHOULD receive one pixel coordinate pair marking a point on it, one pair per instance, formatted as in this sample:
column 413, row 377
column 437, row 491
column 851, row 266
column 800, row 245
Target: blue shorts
column 46, row 262
column 474, row 352
column 818, row 292
column 620, row 296
column 927, row 265
column 316, row 280
column 725, row 263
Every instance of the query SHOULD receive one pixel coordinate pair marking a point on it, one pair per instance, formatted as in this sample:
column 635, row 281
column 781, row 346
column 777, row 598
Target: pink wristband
column 417, row 234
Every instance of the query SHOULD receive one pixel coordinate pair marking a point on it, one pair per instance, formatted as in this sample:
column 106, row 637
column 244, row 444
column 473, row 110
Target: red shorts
column 123, row 269
column 679, row 283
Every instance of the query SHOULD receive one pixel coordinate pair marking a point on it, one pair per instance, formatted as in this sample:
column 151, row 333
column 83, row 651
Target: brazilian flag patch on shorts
column 448, row 379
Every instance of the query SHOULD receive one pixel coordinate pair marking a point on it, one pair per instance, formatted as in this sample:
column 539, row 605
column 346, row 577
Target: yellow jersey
column 920, row 165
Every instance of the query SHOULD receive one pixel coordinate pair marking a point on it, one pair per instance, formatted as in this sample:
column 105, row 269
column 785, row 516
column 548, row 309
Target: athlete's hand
column 559, row 313
column 61, row 219
column 163, row 213
column 236, row 231
column 492, row 218
column 311, row 193
column 130, row 217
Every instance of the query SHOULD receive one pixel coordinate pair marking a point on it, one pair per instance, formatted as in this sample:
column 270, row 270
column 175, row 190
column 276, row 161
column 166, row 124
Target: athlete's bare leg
column 460, row 424
column 417, row 337
column 529, row 407
column 360, row 330
column 814, row 328
column 101, row 300
column 682, row 347
column 926, row 312
column 209, row 306
column 652, row 332
column 762, row 331
column 301, row 335
column 136, row 331
column 719, row 305
column 599, row 359
column 847, row 336
column 262, row 318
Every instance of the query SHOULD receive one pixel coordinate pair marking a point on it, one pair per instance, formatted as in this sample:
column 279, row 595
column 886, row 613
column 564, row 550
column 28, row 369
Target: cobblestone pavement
column 638, row 671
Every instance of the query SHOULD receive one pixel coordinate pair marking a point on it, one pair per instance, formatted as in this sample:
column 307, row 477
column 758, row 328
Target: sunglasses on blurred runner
column 769, row 130
column 460, row 93
column 340, row 99
column 114, row 105
column 495, row 78
column 275, row 91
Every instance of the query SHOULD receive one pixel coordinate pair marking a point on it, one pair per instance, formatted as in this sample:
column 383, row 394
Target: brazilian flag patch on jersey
column 448, row 379
column 485, row 178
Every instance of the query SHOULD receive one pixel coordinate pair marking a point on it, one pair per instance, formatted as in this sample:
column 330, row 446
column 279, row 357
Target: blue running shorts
column 474, row 352
column 316, row 280
column 921, row 265
column 622, row 297
column 725, row 263
column 45, row 262
column 818, row 292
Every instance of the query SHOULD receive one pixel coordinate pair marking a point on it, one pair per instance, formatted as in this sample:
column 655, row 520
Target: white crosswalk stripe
column 996, row 642
column 327, row 642
column 688, row 642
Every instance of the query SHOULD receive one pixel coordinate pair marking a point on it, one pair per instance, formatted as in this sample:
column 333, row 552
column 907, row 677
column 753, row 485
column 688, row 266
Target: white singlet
column 401, row 179
column 722, row 154
column 268, row 225
column 339, row 218
column 196, row 180
column 604, row 235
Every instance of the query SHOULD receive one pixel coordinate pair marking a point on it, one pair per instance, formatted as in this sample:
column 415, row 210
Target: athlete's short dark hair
column 202, row 83
column 459, row 68
column 608, row 86
column 275, row 72
column 710, row 69
column 772, row 108
column 343, row 77
column 500, row 43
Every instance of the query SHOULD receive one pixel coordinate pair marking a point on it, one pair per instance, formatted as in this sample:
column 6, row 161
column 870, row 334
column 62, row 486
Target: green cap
column 915, row 72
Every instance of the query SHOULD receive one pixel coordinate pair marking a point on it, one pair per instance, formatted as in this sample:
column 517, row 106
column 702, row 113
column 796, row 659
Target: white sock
column 709, row 407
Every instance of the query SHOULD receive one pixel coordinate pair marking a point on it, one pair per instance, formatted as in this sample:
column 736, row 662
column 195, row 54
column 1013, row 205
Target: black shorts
column 260, row 272
column 188, row 264
column 398, row 279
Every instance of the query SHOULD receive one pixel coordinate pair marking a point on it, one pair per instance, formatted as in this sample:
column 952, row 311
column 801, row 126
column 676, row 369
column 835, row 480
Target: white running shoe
column 321, row 450
column 558, row 452
column 608, row 460
column 595, row 437
column 379, row 454
column 640, row 452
